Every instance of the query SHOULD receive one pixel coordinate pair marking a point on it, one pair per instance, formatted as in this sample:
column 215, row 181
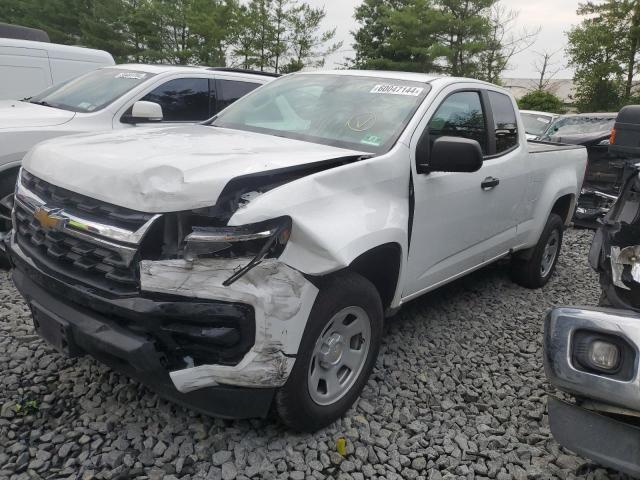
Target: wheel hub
column 331, row 350
column 339, row 355
column 550, row 253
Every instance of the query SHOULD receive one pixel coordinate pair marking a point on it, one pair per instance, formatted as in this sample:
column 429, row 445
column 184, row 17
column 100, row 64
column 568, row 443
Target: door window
column 182, row 100
column 229, row 91
column 506, row 124
column 460, row 115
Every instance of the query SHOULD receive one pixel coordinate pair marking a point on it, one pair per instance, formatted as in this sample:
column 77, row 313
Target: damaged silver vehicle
column 594, row 354
column 249, row 261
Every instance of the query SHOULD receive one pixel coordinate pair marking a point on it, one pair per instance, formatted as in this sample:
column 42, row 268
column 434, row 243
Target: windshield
column 535, row 124
column 92, row 91
column 360, row 113
column 579, row 125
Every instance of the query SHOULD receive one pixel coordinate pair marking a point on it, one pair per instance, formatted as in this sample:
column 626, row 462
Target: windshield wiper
column 43, row 103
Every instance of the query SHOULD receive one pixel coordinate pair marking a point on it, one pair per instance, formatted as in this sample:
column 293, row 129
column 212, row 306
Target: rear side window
column 182, row 100
column 228, row 91
column 505, row 121
column 460, row 115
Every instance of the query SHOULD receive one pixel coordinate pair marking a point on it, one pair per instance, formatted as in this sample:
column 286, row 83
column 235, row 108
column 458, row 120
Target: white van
column 28, row 67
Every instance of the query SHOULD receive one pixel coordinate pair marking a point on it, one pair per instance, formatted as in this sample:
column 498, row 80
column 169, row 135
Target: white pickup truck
column 116, row 97
column 252, row 259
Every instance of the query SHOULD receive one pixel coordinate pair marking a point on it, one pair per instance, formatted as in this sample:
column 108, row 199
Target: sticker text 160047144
column 397, row 90
column 131, row 75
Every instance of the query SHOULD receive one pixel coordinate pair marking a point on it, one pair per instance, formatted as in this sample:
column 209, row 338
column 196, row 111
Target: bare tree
column 504, row 41
column 547, row 68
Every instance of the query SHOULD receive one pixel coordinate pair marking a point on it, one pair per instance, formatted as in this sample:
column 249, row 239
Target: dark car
column 603, row 178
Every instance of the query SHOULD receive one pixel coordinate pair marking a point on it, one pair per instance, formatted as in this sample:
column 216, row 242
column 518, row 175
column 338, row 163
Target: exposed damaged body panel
column 242, row 190
column 602, row 184
column 615, row 252
column 281, row 297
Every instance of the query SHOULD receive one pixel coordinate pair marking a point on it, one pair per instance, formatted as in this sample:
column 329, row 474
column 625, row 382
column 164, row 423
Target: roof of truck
column 411, row 76
column 408, row 76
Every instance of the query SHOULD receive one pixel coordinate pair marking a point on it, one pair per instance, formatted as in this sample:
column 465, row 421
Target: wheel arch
column 564, row 206
column 381, row 265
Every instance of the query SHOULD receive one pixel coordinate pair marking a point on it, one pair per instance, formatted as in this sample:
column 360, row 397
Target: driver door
column 457, row 222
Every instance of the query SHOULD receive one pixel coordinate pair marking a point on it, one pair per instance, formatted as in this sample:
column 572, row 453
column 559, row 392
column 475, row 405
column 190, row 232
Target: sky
column 555, row 17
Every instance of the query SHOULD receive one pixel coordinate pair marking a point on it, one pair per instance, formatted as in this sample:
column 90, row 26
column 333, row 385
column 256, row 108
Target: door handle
column 489, row 183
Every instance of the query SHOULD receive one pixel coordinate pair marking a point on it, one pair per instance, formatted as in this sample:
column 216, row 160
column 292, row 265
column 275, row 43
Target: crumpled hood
column 16, row 114
column 166, row 169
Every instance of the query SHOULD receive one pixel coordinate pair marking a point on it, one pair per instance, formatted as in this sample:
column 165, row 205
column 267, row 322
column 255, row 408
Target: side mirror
column 449, row 154
column 143, row 112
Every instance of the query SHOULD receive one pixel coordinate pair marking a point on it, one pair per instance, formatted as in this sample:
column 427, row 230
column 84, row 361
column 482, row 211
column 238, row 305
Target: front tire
column 7, row 187
column 533, row 268
column 336, row 355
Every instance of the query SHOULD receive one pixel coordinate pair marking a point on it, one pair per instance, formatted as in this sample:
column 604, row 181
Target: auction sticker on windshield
column 131, row 75
column 397, row 90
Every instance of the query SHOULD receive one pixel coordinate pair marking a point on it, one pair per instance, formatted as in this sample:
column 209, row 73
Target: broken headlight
column 256, row 241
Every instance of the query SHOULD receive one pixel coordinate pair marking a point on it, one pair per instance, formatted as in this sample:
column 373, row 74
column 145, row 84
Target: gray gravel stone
column 458, row 392
column 221, row 457
column 229, row 471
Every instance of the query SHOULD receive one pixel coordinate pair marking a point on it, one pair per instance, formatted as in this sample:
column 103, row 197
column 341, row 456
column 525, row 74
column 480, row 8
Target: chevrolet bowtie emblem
column 48, row 219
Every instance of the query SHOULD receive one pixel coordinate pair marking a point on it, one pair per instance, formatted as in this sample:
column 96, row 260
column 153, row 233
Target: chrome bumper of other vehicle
column 563, row 367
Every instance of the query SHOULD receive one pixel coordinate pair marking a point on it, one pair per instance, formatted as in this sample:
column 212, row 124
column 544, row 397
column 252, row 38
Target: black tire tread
column 526, row 271
column 292, row 402
column 7, row 186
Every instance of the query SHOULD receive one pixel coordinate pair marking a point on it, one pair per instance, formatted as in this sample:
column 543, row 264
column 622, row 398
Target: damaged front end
column 615, row 251
column 203, row 312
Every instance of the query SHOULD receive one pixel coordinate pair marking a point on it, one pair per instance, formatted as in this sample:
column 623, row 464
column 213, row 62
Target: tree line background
column 275, row 35
column 471, row 38
column 604, row 50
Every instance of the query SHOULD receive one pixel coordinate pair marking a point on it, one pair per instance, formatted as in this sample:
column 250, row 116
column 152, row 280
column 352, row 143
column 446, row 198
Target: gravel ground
column 458, row 392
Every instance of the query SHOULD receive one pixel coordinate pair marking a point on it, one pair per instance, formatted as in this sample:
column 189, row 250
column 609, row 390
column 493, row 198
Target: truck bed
column 536, row 146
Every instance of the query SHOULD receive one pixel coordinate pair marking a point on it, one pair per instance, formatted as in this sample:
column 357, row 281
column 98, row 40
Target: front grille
column 79, row 256
column 94, row 265
column 86, row 207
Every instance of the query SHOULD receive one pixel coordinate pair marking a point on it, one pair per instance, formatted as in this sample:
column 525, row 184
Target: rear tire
column 334, row 347
column 533, row 268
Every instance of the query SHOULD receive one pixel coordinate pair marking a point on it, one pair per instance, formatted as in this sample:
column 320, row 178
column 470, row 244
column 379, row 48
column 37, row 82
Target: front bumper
column 608, row 441
column 268, row 308
column 133, row 354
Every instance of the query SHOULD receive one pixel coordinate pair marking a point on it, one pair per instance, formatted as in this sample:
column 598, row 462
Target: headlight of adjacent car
column 256, row 241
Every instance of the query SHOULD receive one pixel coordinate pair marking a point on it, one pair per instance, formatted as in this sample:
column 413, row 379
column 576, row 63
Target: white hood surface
column 16, row 114
column 168, row 169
